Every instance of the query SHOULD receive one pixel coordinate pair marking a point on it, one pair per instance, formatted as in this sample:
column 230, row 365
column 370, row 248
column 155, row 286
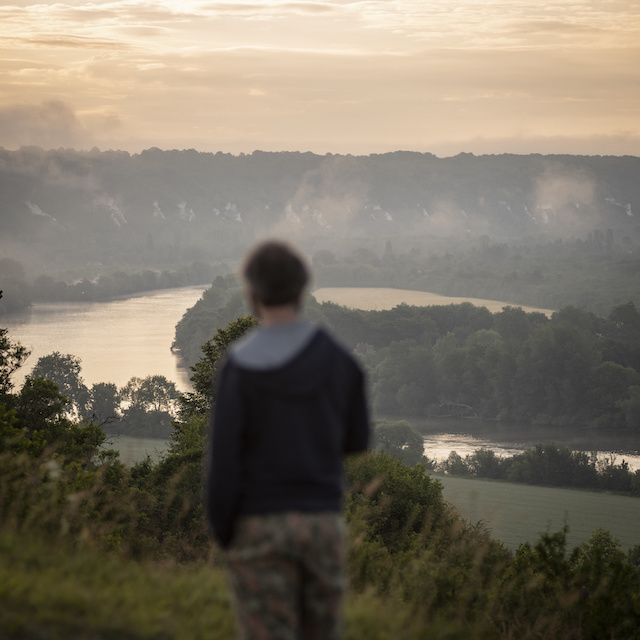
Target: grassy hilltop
column 93, row 549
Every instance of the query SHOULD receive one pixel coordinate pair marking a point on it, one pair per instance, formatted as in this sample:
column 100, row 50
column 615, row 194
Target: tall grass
column 106, row 552
column 48, row 591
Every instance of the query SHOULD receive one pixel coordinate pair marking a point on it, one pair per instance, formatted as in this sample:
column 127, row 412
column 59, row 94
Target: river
column 380, row 298
column 441, row 436
column 114, row 340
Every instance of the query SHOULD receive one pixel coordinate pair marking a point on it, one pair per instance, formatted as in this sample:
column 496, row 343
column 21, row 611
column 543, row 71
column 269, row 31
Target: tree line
column 596, row 273
column 459, row 360
column 571, row 369
column 143, row 407
column 548, row 465
column 544, row 464
column 20, row 291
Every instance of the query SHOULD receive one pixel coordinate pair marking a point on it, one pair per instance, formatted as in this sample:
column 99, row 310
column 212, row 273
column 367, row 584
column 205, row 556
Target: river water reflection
column 115, row 340
column 508, row 439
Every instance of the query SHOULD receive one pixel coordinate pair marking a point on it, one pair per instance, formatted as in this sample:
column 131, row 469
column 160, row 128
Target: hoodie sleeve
column 357, row 436
column 223, row 474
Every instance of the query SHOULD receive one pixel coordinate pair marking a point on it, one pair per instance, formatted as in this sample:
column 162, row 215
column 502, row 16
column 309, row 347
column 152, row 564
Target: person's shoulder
column 243, row 343
column 226, row 367
column 325, row 337
column 329, row 342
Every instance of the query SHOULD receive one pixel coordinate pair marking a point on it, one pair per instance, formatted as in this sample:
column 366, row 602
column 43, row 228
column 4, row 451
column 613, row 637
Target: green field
column 516, row 513
column 133, row 449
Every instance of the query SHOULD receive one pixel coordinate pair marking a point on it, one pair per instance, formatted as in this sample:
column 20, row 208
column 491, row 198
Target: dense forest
column 114, row 207
column 21, row 291
column 573, row 369
column 593, row 273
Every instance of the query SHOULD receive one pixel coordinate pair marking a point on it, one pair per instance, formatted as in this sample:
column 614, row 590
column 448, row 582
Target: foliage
column 22, row 291
column 153, row 393
column 466, row 226
column 104, row 402
column 399, row 439
column 588, row 592
column 566, row 370
column 51, row 591
column 205, row 370
column 453, row 575
column 136, row 421
column 220, row 304
column 189, row 435
column 412, row 561
column 548, row 465
column 574, row 368
column 12, row 355
column 399, row 502
column 144, row 406
column 40, row 406
column 64, row 372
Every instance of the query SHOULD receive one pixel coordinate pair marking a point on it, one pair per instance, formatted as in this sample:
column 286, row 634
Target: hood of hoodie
column 285, row 359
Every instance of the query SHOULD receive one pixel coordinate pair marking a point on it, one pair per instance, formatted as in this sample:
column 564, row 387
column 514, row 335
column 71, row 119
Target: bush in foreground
column 84, row 536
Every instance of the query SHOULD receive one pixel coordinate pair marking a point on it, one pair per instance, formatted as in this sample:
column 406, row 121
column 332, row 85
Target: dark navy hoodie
column 290, row 403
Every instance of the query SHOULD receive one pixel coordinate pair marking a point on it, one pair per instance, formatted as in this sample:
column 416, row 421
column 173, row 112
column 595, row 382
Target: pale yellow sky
column 334, row 76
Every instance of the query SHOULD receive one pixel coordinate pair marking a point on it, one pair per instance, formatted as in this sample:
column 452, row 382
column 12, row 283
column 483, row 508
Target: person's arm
column 223, row 474
column 357, row 436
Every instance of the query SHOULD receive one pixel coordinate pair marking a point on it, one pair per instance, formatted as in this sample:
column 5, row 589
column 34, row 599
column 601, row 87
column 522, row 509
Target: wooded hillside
column 66, row 207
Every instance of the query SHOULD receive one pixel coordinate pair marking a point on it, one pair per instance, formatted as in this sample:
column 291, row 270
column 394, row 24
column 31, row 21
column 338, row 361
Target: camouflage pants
column 287, row 576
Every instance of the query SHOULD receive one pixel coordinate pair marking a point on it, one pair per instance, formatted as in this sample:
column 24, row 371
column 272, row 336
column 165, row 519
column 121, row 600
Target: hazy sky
column 335, row 76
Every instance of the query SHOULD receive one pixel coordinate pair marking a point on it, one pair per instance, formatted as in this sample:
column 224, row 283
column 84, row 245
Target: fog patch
column 54, row 124
column 185, row 213
column 110, row 207
column 50, row 125
column 158, row 214
column 329, row 198
column 37, row 211
column 564, row 202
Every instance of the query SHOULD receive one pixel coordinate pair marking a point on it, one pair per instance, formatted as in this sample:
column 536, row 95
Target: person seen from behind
column 290, row 404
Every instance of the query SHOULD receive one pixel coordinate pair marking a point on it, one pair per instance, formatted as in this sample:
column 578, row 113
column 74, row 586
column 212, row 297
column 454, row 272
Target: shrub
column 399, row 439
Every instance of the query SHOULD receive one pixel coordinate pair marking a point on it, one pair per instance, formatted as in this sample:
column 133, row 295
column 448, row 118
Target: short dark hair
column 276, row 273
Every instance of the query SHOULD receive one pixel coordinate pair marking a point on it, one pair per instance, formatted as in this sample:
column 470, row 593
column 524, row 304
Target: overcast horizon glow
column 338, row 76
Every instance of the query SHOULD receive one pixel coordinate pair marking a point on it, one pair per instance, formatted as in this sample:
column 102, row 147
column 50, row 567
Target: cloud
column 270, row 9
column 550, row 27
column 358, row 76
column 71, row 42
column 504, row 24
column 90, row 25
column 50, row 125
